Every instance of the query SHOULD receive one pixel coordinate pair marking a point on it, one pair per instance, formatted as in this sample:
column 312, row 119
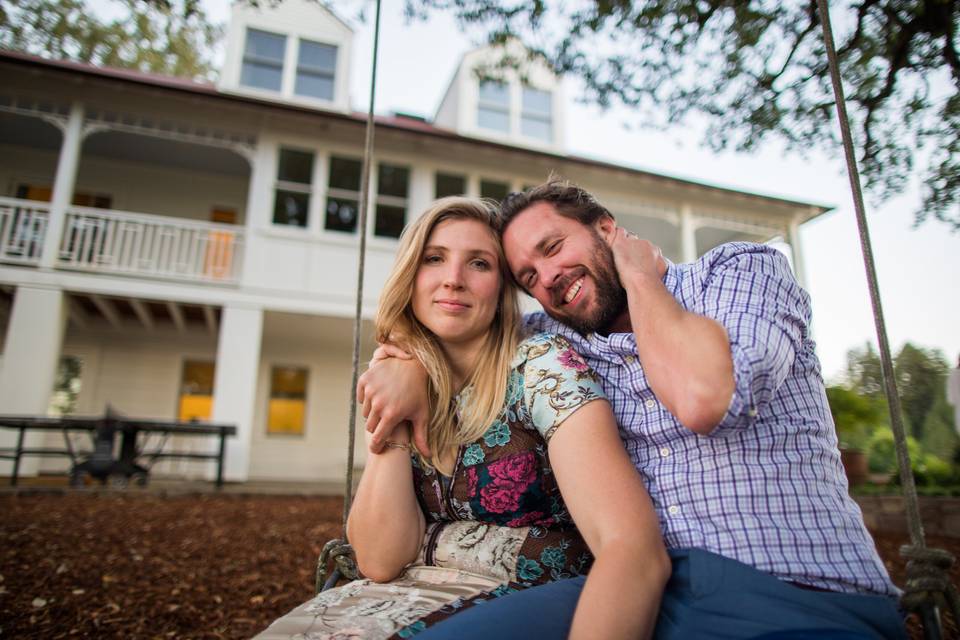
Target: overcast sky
column 918, row 268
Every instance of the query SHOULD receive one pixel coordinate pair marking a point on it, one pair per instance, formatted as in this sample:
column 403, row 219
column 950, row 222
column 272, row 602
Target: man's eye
column 553, row 248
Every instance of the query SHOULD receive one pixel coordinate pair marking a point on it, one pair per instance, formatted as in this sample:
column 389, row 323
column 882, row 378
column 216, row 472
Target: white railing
column 110, row 241
column 23, row 226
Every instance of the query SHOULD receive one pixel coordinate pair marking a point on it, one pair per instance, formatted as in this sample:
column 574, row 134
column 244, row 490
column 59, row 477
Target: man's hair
column 567, row 198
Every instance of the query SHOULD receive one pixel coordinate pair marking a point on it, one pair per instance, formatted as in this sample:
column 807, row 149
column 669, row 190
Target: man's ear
column 606, row 226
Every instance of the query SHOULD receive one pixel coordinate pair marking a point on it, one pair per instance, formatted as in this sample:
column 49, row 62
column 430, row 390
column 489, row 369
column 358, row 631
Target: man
column 712, row 374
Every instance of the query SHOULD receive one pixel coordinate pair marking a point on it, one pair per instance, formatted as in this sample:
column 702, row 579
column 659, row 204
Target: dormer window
column 536, row 115
column 493, row 110
column 263, row 60
column 316, row 67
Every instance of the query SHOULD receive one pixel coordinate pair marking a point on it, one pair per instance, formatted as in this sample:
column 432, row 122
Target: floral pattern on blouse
column 505, row 478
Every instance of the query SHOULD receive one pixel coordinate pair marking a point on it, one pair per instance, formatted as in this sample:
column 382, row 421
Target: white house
column 193, row 247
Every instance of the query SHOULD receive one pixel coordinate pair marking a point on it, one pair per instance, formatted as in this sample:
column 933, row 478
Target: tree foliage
column 755, row 69
column 921, row 378
column 172, row 37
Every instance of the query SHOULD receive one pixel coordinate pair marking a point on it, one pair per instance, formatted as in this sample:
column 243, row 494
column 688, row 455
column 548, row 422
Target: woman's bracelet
column 392, row 444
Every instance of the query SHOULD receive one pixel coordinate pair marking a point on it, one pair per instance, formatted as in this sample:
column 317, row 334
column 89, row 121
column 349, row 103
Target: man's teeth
column 573, row 291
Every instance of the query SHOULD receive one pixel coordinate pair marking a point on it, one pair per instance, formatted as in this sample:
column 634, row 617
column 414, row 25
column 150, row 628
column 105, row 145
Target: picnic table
column 133, row 462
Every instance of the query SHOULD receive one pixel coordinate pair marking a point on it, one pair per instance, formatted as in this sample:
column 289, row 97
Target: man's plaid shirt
column 766, row 487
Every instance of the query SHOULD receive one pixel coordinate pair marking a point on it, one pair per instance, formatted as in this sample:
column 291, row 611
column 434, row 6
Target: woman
column 523, row 445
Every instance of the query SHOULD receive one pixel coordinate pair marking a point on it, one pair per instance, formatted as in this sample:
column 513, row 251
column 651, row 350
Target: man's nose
column 549, row 275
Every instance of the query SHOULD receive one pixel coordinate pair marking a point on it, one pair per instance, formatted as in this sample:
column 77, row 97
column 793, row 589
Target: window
column 392, row 186
column 343, row 194
column 288, row 400
column 493, row 110
column 536, row 115
column 316, row 67
column 494, row 190
column 196, row 391
column 66, row 386
column 263, row 60
column 294, row 177
column 450, row 185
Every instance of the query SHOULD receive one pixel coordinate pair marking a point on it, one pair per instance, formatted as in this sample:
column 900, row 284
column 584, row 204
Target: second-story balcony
column 123, row 242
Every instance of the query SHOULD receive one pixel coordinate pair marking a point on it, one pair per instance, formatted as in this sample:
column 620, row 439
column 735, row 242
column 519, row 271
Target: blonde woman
column 523, row 445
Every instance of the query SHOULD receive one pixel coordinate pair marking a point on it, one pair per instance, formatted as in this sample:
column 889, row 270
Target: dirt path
column 116, row 566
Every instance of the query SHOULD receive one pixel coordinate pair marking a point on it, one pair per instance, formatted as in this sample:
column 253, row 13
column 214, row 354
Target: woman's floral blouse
column 505, row 478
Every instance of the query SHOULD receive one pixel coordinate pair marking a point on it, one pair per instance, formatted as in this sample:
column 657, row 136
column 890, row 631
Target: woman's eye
column 481, row 264
column 431, row 259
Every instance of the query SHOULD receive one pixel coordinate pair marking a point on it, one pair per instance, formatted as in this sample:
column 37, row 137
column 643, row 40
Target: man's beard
column 611, row 298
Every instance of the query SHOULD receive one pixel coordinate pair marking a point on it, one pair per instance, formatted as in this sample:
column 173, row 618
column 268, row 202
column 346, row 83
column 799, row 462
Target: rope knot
column 928, row 578
column 341, row 553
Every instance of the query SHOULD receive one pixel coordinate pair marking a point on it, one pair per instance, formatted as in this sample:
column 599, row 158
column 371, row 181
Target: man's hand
column 394, row 390
column 636, row 257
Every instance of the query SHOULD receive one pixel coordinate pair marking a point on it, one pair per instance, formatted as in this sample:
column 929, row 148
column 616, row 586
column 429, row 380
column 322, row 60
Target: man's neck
column 620, row 324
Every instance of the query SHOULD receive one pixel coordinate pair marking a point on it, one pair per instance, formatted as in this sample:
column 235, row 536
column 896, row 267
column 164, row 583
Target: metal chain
column 928, row 580
column 362, row 231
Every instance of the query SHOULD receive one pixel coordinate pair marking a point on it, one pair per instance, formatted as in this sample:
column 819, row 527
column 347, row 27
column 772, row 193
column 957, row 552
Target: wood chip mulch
column 148, row 566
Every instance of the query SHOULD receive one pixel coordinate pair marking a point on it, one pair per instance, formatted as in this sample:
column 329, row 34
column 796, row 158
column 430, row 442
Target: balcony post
column 688, row 234
column 796, row 249
column 63, row 184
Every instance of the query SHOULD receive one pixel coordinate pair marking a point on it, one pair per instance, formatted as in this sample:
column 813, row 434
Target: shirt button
column 651, row 403
column 752, row 412
column 673, row 510
column 664, row 452
column 629, row 359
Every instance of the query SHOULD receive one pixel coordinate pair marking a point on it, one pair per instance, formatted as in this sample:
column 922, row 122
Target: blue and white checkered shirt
column 766, row 487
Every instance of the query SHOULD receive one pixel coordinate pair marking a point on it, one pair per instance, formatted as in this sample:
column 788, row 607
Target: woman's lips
column 452, row 305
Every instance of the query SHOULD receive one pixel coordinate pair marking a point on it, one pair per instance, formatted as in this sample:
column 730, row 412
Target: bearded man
column 711, row 372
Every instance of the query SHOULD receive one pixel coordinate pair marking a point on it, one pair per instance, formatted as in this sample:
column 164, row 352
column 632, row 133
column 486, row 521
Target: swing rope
column 339, row 550
column 928, row 583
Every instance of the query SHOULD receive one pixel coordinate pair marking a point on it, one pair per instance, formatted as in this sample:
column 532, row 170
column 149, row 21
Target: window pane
column 316, row 56
column 493, row 120
column 261, row 76
column 341, row 214
column 66, row 387
column 536, row 101
column 295, row 166
column 536, row 128
column 392, row 180
column 495, row 92
column 196, row 391
column 450, row 185
column 496, row 190
column 345, row 174
column 263, row 45
column 314, row 86
column 290, row 208
column 390, row 221
column 288, row 395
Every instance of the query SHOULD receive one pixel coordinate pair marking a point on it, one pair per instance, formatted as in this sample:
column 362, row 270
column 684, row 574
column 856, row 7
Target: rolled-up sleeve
column 751, row 291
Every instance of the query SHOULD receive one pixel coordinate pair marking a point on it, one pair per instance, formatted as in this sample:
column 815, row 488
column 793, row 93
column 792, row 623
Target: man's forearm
column 685, row 356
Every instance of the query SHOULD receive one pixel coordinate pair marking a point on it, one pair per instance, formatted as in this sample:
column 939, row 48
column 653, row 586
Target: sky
column 917, row 268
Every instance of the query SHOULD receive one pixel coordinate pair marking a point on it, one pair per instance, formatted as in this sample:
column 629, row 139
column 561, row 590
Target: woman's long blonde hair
column 487, row 384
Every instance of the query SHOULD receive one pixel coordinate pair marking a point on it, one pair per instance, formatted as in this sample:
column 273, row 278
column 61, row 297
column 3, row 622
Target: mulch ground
column 146, row 566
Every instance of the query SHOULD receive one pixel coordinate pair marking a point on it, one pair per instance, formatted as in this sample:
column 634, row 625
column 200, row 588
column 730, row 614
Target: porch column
column 63, row 184
column 796, row 250
column 235, row 383
column 688, row 234
column 31, row 356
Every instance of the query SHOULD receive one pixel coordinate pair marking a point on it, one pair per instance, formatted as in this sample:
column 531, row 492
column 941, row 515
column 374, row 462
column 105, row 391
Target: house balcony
column 123, row 243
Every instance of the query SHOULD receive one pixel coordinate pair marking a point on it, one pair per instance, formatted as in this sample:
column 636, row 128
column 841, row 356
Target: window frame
column 263, row 61
column 316, row 72
column 542, row 117
column 490, row 106
column 294, row 187
column 305, row 400
column 390, row 200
